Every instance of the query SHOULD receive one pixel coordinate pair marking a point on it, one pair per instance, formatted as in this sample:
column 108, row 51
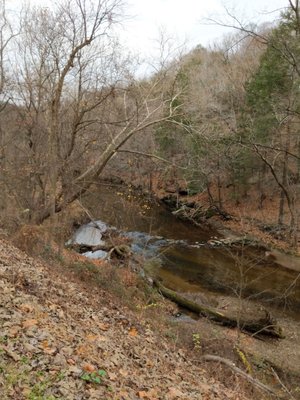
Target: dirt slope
column 55, row 338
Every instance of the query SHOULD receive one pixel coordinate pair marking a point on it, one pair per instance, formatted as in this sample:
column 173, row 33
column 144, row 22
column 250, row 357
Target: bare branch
column 140, row 153
column 237, row 370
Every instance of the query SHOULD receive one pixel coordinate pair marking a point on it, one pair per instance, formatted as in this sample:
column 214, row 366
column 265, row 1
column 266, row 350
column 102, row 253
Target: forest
column 149, row 216
column 221, row 121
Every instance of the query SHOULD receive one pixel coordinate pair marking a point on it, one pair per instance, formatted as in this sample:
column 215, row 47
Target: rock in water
column 89, row 234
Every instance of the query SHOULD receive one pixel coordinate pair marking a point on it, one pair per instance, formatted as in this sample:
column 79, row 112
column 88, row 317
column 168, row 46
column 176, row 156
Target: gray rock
column 99, row 254
column 87, row 235
column 90, row 234
column 101, row 226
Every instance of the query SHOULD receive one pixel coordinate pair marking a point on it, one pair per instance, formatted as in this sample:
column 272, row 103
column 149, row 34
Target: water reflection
column 192, row 268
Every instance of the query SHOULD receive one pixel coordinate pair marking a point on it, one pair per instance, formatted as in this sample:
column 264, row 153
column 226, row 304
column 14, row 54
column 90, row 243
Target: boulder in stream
column 89, row 235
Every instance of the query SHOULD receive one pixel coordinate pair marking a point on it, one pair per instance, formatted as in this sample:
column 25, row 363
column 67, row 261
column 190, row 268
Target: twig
column 140, row 153
column 282, row 384
column 248, row 377
column 88, row 214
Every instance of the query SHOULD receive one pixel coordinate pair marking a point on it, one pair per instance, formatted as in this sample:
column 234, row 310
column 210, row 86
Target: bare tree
column 7, row 33
column 76, row 102
column 280, row 67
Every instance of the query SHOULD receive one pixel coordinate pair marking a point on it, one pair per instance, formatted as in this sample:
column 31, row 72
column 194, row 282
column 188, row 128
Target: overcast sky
column 182, row 19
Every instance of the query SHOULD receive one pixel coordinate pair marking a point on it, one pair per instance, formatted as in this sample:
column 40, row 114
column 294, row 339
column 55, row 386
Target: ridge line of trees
column 227, row 116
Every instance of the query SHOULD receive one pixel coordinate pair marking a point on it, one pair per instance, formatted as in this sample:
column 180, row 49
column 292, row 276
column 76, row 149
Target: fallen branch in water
column 264, row 326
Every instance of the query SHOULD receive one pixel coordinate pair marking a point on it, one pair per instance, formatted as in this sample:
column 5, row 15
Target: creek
column 187, row 260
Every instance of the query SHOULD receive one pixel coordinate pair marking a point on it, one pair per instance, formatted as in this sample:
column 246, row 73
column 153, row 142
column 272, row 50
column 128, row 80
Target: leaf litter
column 57, row 343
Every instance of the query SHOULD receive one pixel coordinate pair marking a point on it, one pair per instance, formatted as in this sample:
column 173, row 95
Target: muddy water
column 222, row 270
column 192, row 265
column 124, row 210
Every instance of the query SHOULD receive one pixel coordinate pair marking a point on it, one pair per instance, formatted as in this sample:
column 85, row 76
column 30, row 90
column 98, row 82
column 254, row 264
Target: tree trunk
column 284, row 182
column 264, row 326
column 219, row 183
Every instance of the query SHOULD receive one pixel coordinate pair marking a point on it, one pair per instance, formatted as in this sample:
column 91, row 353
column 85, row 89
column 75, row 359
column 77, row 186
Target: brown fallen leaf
column 13, row 332
column 149, row 395
column 133, row 331
column 45, row 344
column 174, row 393
column 11, row 353
column 112, row 376
column 50, row 350
column 29, row 323
column 103, row 327
column 153, row 394
column 91, row 338
column 54, row 371
column 88, row 367
column 142, row 395
column 26, row 392
column 123, row 372
column 28, row 308
column 81, row 350
column 46, row 348
column 101, row 338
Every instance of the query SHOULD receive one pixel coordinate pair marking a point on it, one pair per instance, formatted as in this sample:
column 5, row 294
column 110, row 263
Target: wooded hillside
column 224, row 120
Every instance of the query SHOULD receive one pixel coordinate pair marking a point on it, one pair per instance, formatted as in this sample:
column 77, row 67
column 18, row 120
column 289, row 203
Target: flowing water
column 188, row 263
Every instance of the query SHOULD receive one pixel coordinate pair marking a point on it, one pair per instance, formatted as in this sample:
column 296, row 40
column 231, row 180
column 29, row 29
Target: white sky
column 181, row 19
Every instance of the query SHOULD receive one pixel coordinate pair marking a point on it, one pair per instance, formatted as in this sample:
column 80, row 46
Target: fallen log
column 263, row 326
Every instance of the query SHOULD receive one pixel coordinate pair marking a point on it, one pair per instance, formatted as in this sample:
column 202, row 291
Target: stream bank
column 198, row 335
column 261, row 355
column 190, row 258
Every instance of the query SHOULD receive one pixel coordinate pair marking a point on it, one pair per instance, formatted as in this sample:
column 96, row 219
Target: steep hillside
column 60, row 340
